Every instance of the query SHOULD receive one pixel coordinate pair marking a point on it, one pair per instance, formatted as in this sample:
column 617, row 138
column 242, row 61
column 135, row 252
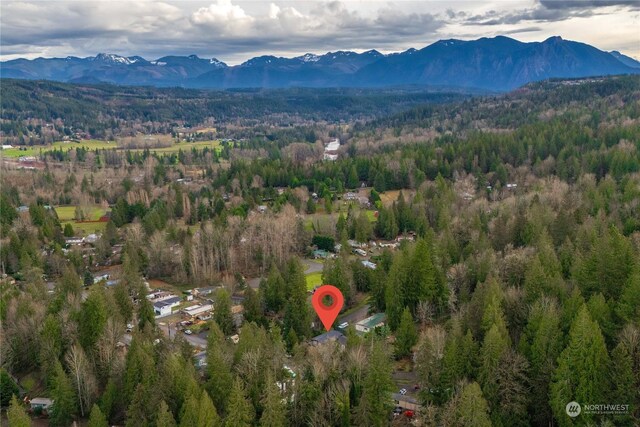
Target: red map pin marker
column 326, row 313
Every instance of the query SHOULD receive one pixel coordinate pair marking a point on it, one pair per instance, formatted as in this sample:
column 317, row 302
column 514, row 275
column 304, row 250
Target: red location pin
column 326, row 313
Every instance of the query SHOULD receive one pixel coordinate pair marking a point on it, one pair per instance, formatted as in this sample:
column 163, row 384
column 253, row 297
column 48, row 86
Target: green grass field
column 90, row 144
column 93, row 144
column 313, row 280
column 68, row 213
column 185, row 146
column 14, row 153
column 85, row 227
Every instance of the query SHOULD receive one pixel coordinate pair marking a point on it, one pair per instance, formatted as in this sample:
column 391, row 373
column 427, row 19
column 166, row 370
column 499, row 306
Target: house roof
column 373, row 321
column 330, row 336
column 167, row 302
column 41, row 401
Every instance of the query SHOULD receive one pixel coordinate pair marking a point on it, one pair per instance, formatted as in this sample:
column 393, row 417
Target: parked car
column 188, row 331
column 403, row 391
column 343, row 325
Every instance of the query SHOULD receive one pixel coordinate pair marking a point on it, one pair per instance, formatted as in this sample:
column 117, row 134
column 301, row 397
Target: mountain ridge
column 499, row 64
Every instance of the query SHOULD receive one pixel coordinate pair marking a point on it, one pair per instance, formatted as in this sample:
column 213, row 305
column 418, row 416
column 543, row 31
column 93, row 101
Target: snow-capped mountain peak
column 114, row 59
column 309, row 57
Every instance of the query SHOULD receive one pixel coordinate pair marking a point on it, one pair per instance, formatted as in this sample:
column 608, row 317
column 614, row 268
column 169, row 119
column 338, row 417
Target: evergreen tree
column 406, row 335
column 97, row 418
column 624, row 390
column 386, row 226
column 241, row 412
column 252, row 304
column 64, row 399
column 541, row 343
column 336, row 272
column 296, row 315
column 629, row 304
column 363, row 228
column 379, row 183
column 93, row 318
column 190, row 413
column 207, row 415
column 352, row 179
column 141, row 411
column 607, row 267
column 395, row 289
column 274, row 414
column 425, row 282
column 494, row 347
column 311, row 206
column 582, row 373
column 472, row 408
column 165, row 417
column 8, row 388
column 219, row 376
column 375, row 403
column 68, row 230
column 16, row 415
column 459, row 359
column 274, row 290
column 222, row 312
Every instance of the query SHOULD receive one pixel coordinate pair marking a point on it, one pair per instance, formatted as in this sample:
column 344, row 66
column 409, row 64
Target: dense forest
column 507, row 265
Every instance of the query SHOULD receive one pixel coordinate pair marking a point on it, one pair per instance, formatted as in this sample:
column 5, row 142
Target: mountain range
column 497, row 64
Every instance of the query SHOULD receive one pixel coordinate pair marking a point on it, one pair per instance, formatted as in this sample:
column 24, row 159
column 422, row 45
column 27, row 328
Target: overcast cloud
column 235, row 30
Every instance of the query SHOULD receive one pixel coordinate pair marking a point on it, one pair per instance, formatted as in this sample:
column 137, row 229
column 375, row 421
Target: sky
column 235, row 30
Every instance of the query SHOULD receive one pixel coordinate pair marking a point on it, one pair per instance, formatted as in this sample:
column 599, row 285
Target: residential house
column 328, row 337
column 371, row 322
column 159, row 295
column 203, row 292
column 320, row 254
column 197, row 309
column 39, row 404
column 165, row 307
column 369, row 264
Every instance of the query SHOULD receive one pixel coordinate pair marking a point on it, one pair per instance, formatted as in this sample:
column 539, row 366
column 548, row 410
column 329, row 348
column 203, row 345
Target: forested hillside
column 108, row 111
column 504, row 234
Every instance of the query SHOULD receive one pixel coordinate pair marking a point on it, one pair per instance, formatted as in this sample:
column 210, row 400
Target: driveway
column 196, row 340
column 355, row 316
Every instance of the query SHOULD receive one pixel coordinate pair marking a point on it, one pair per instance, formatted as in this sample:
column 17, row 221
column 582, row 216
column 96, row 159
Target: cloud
column 221, row 28
column 581, row 4
column 235, row 30
column 551, row 11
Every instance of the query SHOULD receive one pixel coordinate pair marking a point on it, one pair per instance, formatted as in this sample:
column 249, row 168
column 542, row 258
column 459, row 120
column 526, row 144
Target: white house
column 197, row 309
column 165, row 307
column 370, row 323
column 360, row 252
column 369, row 264
column 40, row 403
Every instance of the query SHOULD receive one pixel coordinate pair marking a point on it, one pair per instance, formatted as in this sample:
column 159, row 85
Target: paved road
column 196, row 340
column 355, row 316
